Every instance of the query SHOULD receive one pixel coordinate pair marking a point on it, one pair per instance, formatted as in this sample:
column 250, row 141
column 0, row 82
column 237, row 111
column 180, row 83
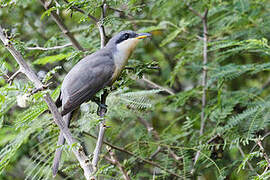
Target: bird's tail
column 61, row 141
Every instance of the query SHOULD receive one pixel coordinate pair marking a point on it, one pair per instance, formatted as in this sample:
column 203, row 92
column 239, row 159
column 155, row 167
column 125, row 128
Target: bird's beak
column 143, row 35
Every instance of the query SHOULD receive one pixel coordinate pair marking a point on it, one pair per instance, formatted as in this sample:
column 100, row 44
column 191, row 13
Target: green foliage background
column 238, row 86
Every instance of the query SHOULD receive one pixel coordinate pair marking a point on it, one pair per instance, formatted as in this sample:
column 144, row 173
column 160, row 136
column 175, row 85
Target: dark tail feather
column 58, row 101
column 61, row 141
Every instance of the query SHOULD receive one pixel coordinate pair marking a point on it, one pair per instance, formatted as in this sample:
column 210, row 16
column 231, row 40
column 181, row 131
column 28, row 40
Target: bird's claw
column 102, row 108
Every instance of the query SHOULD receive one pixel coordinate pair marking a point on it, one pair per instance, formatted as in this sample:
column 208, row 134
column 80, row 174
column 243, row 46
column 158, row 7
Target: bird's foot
column 102, row 109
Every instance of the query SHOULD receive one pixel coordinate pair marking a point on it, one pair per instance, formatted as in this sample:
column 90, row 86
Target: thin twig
column 81, row 157
column 49, row 48
column 11, row 78
column 45, row 86
column 102, row 127
column 157, row 151
column 149, row 128
column 204, row 76
column 83, row 12
column 243, row 155
column 122, row 13
column 62, row 26
column 255, row 145
column 194, row 11
column 155, row 86
column 259, row 142
column 113, row 159
column 266, row 85
column 100, row 24
column 134, row 155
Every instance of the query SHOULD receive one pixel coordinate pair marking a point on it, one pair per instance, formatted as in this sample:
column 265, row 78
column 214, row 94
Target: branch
column 194, row 11
column 134, row 155
column 102, row 128
column 49, row 48
column 266, row 85
column 81, row 157
column 62, row 26
column 122, row 12
column 243, row 155
column 99, row 23
column 204, row 76
column 156, row 86
column 83, row 12
column 45, row 86
column 113, row 159
column 11, row 78
column 259, row 142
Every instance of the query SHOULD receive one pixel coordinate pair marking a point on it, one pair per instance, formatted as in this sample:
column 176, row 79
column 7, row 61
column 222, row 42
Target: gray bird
column 91, row 74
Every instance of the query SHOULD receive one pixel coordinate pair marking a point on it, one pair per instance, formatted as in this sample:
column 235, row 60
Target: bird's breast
column 120, row 61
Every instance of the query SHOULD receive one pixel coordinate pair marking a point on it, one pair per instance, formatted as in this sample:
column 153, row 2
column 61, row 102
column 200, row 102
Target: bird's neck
column 123, row 52
column 121, row 55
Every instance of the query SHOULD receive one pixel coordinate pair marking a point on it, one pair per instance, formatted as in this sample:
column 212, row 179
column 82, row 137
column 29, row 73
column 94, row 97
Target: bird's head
column 126, row 41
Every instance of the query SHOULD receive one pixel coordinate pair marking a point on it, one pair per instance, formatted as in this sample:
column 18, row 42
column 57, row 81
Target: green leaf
column 170, row 37
column 51, row 59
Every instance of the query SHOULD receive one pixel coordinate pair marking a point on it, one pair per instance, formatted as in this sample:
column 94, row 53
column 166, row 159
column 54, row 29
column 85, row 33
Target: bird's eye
column 126, row 36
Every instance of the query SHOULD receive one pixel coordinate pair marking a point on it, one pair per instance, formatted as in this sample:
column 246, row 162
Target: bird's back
column 86, row 78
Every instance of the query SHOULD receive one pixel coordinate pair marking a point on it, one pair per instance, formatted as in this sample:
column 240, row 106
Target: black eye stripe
column 123, row 38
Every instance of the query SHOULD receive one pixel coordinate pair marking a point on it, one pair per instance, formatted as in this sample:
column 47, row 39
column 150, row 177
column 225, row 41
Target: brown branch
column 134, row 155
column 194, row 11
column 259, row 142
column 49, row 48
column 62, row 26
column 45, row 86
column 157, row 151
column 122, row 13
column 11, row 78
column 255, row 145
column 147, row 83
column 81, row 157
column 156, row 86
column 113, row 159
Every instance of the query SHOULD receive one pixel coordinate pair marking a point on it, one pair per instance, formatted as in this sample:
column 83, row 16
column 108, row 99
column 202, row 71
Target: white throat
column 122, row 53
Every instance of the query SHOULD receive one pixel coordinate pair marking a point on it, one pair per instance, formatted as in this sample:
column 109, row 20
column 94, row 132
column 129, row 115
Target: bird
column 90, row 75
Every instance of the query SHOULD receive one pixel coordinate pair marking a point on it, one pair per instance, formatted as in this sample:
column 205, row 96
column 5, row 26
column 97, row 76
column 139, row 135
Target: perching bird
column 93, row 73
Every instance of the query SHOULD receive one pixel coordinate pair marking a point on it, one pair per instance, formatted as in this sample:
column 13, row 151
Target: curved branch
column 49, row 48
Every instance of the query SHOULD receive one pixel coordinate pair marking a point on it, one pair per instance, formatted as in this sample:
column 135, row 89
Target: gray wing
column 85, row 79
